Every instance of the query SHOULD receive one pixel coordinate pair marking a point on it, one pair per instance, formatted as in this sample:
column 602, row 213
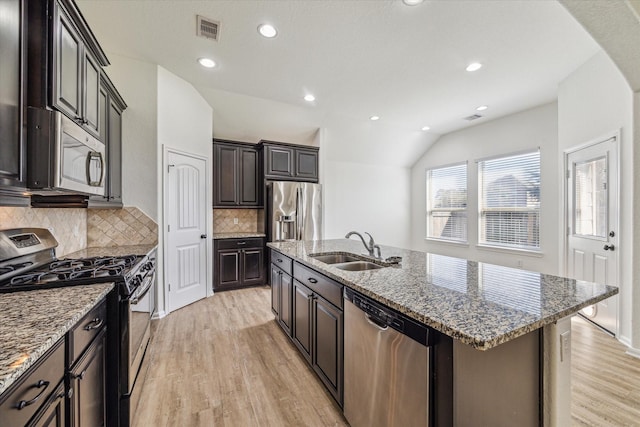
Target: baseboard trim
column 159, row 314
column 635, row 352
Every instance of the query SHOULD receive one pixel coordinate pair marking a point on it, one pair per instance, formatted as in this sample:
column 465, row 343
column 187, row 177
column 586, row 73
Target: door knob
column 203, row 236
column 609, row 247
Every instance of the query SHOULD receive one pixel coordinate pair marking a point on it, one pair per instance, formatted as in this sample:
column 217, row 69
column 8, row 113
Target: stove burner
column 13, row 267
column 31, row 278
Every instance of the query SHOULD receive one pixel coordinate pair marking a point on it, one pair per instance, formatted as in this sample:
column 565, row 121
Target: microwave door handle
column 95, row 155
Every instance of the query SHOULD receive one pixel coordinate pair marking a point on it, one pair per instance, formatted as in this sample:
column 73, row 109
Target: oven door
column 141, row 308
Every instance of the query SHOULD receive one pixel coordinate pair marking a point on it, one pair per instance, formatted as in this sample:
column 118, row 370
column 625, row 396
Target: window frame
column 505, row 247
column 428, row 208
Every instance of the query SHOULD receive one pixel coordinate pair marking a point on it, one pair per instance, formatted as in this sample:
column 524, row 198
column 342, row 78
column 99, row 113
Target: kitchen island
column 508, row 328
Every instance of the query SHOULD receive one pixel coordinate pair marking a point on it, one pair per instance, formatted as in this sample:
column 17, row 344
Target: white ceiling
column 359, row 58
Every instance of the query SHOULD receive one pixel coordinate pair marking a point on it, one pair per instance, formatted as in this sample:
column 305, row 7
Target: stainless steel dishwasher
column 386, row 366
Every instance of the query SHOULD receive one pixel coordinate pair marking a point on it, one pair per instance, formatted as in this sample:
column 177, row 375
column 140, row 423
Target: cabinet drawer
column 322, row 285
column 86, row 330
column 240, row 243
column 34, row 388
column 281, row 261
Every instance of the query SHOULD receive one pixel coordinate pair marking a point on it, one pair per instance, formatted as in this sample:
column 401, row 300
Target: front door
column 186, row 237
column 592, row 219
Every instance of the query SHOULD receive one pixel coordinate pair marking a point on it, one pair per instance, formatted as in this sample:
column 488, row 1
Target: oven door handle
column 150, row 280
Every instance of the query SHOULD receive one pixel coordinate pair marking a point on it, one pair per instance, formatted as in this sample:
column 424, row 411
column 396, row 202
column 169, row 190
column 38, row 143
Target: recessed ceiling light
column 374, row 118
column 412, row 2
column 309, row 98
column 207, row 62
column 426, row 128
column 267, row 30
column 482, row 108
column 474, row 66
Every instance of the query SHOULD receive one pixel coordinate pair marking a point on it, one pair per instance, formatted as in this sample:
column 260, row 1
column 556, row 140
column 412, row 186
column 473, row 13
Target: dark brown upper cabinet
column 237, row 177
column 110, row 108
column 76, row 73
column 12, row 78
column 289, row 162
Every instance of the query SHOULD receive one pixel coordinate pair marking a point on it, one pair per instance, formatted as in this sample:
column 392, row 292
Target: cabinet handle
column 312, row 280
column 81, row 375
column 94, row 324
column 24, row 403
column 242, row 243
column 279, row 260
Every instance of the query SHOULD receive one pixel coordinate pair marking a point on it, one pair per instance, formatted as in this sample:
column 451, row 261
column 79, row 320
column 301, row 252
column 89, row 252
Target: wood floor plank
column 223, row 361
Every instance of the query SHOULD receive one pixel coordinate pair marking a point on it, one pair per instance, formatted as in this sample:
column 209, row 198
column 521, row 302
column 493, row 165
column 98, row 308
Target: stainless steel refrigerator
column 294, row 211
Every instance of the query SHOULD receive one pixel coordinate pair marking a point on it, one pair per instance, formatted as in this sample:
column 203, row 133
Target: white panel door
column 186, row 236
column 592, row 218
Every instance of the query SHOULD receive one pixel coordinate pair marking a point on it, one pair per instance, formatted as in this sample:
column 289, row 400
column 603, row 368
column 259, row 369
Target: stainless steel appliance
column 387, row 366
column 294, row 211
column 28, row 262
column 62, row 156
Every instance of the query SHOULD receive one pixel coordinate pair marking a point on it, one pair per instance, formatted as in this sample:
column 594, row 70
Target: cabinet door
column 225, row 187
column 253, row 266
column 11, row 160
column 91, row 91
column 250, row 182
column 228, row 267
column 302, row 298
column 67, row 67
column 307, row 165
column 114, row 154
column 103, row 112
column 278, row 162
column 53, row 413
column 286, row 289
column 327, row 353
column 275, row 289
column 88, row 383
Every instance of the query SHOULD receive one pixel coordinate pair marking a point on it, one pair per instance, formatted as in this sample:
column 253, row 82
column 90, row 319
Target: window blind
column 510, row 201
column 447, row 203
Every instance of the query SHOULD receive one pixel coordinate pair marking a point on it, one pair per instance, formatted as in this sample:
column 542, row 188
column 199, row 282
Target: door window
column 591, row 198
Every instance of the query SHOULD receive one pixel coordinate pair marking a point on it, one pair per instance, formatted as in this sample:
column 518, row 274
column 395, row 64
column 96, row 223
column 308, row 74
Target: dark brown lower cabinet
column 281, row 289
column 238, row 263
column 53, row 413
column 87, row 380
column 317, row 332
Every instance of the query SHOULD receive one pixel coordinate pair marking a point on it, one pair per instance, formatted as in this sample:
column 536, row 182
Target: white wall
column 594, row 101
column 184, row 123
column 526, row 130
column 368, row 198
column 137, row 83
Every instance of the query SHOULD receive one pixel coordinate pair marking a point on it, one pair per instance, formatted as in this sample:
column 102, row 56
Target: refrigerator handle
column 299, row 214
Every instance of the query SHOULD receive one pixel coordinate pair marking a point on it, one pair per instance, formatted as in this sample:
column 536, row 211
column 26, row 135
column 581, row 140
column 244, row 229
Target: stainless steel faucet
column 371, row 247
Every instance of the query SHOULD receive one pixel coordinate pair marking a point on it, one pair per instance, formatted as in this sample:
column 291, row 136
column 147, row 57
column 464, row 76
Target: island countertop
column 482, row 305
column 32, row 322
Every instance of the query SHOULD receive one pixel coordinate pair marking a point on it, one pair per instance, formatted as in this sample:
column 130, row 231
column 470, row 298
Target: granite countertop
column 482, row 305
column 238, row 235
column 111, row 251
column 32, row 322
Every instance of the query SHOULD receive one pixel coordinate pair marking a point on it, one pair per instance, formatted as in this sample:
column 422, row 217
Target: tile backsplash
column 116, row 227
column 223, row 220
column 68, row 226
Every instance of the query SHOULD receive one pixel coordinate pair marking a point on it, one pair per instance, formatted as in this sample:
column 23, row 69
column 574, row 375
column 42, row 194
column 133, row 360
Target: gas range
column 28, row 262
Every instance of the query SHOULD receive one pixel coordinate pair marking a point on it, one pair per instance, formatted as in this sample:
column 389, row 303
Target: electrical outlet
column 565, row 345
column 235, row 220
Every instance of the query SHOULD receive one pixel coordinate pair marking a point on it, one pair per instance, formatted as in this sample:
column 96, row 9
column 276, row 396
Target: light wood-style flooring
column 605, row 380
column 223, row 361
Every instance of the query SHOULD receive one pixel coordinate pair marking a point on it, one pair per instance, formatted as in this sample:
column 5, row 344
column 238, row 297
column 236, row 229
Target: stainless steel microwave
column 62, row 157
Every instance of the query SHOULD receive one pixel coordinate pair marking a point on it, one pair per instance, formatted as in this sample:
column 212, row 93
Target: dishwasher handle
column 378, row 323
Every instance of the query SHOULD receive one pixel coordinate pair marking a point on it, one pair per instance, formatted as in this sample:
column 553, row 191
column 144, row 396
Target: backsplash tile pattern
column 115, row 227
column 247, row 220
column 68, row 226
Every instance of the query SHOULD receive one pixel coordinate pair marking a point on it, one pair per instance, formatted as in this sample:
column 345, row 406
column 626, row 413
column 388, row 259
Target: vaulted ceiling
column 405, row 64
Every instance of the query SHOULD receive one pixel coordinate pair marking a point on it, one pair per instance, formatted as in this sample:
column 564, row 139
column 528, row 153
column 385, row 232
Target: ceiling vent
column 208, row 28
column 472, row 117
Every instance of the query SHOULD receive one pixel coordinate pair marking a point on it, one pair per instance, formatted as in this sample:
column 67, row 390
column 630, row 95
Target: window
column 447, row 203
column 510, row 201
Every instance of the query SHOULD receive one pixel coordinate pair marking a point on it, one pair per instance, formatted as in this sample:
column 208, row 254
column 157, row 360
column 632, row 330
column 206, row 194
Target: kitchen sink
column 335, row 258
column 358, row 266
